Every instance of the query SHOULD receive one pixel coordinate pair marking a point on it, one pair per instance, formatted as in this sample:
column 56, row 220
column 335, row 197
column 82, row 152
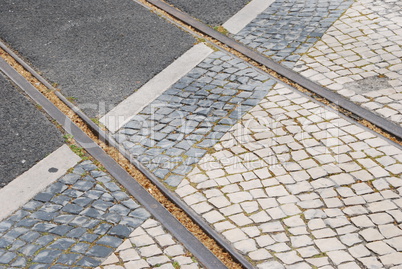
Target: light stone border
column 132, row 105
column 23, row 188
column 238, row 21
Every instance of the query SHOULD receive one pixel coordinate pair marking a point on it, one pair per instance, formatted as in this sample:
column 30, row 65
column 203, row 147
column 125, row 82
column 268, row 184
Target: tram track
column 185, row 225
column 154, row 186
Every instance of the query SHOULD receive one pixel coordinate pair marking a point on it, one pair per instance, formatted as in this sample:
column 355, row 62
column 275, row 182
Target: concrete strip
column 246, row 15
column 26, row 186
column 124, row 111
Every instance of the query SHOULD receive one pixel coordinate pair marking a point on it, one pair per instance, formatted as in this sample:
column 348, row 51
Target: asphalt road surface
column 212, row 12
column 27, row 136
column 98, row 52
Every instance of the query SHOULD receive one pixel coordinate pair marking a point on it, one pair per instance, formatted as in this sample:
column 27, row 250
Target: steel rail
column 106, row 137
column 199, row 250
column 313, row 87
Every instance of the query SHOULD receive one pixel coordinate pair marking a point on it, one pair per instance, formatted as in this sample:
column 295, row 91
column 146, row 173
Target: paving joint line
column 203, row 254
column 281, row 70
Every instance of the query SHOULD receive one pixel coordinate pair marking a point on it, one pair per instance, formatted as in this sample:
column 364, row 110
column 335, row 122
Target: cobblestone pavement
column 78, row 222
column 295, row 185
column 150, row 246
column 179, row 127
column 288, row 28
column 360, row 57
column 292, row 184
column 357, row 54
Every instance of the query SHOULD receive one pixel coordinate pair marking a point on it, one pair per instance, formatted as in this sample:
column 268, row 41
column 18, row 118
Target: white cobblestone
column 339, row 256
column 289, row 257
column 392, row 259
column 315, row 204
column 380, row 248
column 142, row 251
column 371, row 234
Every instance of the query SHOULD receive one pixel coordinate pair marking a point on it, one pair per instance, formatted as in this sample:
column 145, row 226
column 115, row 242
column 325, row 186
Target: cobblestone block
column 245, row 246
column 389, row 230
column 289, row 257
column 392, row 259
column 381, row 218
column 329, row 244
column 339, row 256
column 380, row 248
column 371, row 234
column 395, row 243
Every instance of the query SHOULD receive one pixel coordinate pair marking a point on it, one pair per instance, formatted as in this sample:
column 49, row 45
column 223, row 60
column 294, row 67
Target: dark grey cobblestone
column 76, row 222
column 179, row 127
column 288, row 28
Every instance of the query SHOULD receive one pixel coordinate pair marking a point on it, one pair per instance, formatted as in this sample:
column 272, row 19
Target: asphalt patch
column 26, row 134
column 366, row 85
column 212, row 12
column 97, row 51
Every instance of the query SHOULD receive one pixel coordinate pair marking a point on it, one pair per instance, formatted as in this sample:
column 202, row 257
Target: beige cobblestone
column 149, row 246
column 326, row 201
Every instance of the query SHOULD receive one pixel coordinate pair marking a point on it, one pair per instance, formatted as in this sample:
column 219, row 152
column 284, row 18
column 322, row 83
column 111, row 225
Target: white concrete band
column 22, row 189
column 132, row 105
column 246, row 15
